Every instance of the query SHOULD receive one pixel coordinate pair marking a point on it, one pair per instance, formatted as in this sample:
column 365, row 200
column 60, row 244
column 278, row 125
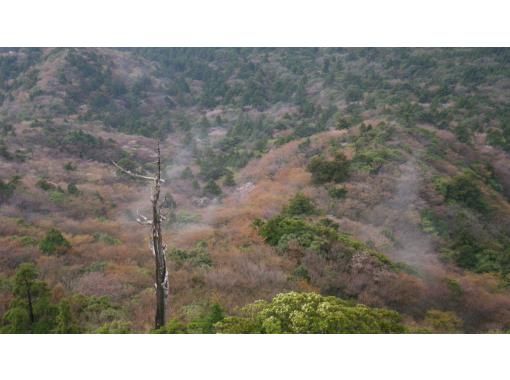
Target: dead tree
column 157, row 245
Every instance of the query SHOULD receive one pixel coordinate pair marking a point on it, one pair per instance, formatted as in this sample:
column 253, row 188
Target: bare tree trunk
column 159, row 251
column 157, row 246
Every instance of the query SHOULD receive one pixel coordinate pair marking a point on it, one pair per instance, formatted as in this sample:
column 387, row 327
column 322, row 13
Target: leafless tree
column 157, row 245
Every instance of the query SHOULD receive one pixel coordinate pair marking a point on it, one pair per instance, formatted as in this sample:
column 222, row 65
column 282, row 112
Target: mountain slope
column 420, row 221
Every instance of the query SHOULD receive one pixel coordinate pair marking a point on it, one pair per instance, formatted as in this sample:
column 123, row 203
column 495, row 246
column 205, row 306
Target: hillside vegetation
column 307, row 190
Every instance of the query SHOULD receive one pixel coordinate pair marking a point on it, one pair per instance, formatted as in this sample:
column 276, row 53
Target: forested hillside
column 307, row 190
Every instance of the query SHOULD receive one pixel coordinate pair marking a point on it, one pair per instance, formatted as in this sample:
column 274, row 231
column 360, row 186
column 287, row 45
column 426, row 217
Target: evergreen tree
column 31, row 310
column 212, row 188
column 229, row 180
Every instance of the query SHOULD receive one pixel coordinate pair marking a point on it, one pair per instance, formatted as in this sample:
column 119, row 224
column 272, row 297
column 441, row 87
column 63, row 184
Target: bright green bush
column 311, row 313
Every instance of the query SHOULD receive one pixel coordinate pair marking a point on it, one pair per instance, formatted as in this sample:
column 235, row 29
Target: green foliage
column 91, row 313
column 337, row 192
column 443, row 321
column 43, row 184
column 169, row 202
column 300, row 204
column 79, row 143
column 128, row 164
column 31, row 310
column 187, row 173
column 463, row 188
column 301, row 273
column 455, row 289
column 73, row 189
column 478, row 255
column 65, row 323
column 465, row 238
column 197, row 257
column 354, row 94
column 323, row 171
column 322, row 237
column 115, row 327
column 106, row 238
column 372, row 160
column 69, row 166
column 201, row 322
column 409, row 114
column 184, row 217
column 229, row 180
column 54, row 243
column 4, row 151
column 500, row 138
column 212, row 189
column 343, row 123
column 311, row 313
column 280, row 230
column 7, row 188
column 57, row 196
column 432, row 224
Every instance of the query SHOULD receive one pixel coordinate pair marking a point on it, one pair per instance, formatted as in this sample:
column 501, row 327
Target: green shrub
column 45, row 185
column 69, row 166
column 322, row 237
column 115, row 327
column 301, row 272
column 106, row 238
column 57, row 197
column 73, row 189
column 300, row 204
column 202, row 322
column 431, row 224
column 212, row 189
column 463, row 188
column 323, row 171
column 198, row 256
column 372, row 160
column 337, row 192
column 186, row 218
column 54, row 243
column 443, row 321
column 229, row 180
column 343, row 123
column 187, row 173
column 7, row 188
column 311, row 313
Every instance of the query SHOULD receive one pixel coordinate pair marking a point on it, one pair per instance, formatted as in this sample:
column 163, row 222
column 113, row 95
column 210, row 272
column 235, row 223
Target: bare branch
column 143, row 220
column 129, row 172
